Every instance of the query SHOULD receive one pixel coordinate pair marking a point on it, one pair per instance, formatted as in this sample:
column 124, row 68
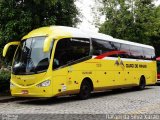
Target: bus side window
column 80, row 48
column 149, row 53
column 105, row 47
column 69, row 50
column 125, row 52
column 60, row 56
column 136, row 52
column 97, row 47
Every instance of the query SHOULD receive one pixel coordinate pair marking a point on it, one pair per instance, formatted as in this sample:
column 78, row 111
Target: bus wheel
column 85, row 90
column 142, row 83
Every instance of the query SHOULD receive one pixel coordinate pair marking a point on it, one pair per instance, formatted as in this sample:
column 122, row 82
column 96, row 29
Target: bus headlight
column 44, row 84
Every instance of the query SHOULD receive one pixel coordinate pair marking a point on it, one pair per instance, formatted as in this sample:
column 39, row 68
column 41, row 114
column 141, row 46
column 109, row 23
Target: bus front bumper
column 31, row 92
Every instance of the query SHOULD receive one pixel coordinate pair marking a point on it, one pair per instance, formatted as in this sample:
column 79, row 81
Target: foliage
column 4, row 80
column 134, row 20
column 18, row 17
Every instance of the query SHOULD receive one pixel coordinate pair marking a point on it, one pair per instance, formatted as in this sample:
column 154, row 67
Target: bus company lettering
column 136, row 66
column 142, row 66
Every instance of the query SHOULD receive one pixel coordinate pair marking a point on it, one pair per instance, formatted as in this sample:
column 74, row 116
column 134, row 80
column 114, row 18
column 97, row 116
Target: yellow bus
column 58, row 60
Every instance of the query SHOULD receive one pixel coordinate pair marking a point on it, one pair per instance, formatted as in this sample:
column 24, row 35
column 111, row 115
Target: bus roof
column 63, row 31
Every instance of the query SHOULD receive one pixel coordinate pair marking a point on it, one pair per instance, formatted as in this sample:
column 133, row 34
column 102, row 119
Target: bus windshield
column 30, row 58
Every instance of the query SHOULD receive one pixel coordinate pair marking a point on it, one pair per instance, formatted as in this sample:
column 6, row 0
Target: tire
column 142, row 83
column 85, row 90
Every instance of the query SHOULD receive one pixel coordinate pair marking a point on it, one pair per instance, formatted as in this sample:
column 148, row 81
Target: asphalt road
column 127, row 101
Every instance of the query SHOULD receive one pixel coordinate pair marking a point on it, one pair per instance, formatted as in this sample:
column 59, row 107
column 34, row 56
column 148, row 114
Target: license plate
column 24, row 91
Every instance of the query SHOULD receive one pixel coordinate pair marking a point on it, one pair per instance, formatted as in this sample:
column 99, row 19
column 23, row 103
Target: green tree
column 18, row 17
column 155, row 37
column 134, row 20
column 119, row 20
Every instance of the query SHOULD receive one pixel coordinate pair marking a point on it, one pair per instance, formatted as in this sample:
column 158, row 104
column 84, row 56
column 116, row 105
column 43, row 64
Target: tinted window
column 125, row 52
column 70, row 50
column 136, row 52
column 149, row 53
column 116, row 46
column 105, row 47
column 114, row 49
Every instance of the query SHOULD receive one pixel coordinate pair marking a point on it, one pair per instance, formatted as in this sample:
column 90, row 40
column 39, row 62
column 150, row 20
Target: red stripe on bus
column 109, row 54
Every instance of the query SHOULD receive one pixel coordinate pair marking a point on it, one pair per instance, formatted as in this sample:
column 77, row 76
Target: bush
column 4, row 80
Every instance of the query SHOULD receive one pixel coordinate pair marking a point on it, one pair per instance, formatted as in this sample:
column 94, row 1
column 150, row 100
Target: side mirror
column 47, row 43
column 5, row 49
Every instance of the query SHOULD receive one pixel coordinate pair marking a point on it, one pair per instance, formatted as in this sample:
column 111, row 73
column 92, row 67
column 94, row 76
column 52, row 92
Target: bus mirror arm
column 47, row 43
column 5, row 49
